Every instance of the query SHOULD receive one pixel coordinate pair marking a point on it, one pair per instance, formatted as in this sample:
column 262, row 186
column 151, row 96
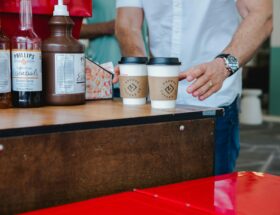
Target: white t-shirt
column 195, row 31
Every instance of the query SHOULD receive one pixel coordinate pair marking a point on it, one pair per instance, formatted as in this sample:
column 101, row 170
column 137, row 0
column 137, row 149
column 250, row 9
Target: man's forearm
column 131, row 42
column 91, row 31
column 255, row 28
column 129, row 31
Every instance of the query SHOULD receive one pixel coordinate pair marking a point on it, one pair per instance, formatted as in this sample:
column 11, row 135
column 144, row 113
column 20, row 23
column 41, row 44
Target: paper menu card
column 99, row 81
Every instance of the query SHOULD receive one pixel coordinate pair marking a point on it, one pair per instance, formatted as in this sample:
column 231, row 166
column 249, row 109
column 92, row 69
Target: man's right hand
column 117, row 74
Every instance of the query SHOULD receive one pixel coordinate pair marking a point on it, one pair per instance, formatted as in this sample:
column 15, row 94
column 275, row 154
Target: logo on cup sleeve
column 132, row 87
column 168, row 89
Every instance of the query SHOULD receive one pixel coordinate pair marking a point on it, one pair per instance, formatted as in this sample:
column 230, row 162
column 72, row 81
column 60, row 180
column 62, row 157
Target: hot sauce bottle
column 26, row 61
column 5, row 71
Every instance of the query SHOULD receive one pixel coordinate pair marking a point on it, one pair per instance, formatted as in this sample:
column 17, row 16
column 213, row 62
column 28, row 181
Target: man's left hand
column 208, row 78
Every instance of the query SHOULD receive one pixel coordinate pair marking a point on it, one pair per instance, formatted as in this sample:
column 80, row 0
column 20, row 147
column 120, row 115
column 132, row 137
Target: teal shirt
column 106, row 48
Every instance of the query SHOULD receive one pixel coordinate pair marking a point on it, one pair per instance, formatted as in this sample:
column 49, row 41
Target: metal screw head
column 182, row 128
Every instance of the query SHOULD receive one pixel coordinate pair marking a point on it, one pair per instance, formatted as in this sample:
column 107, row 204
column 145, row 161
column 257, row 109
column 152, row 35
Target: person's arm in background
column 254, row 29
column 91, row 31
column 129, row 23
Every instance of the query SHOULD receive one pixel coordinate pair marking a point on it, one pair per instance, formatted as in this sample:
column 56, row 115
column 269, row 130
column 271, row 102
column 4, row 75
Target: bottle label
column 5, row 72
column 27, row 70
column 70, row 74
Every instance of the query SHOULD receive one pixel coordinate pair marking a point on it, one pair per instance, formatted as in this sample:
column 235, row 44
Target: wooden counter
column 58, row 155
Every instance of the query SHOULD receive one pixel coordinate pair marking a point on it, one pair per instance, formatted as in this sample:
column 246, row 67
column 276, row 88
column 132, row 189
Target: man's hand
column 208, row 78
column 117, row 74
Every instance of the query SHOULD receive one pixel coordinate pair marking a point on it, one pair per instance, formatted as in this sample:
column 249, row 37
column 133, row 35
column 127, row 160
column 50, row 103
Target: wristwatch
column 231, row 63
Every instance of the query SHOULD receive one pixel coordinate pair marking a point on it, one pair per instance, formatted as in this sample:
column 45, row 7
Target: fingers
column 192, row 73
column 182, row 76
column 209, row 79
column 209, row 86
column 210, row 92
column 195, row 72
column 204, row 89
column 201, row 81
column 117, row 74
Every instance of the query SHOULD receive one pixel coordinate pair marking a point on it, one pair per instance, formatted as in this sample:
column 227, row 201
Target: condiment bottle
column 5, row 71
column 63, row 62
column 26, row 61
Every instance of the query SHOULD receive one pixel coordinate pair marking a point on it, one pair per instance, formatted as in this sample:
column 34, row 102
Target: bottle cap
column 60, row 9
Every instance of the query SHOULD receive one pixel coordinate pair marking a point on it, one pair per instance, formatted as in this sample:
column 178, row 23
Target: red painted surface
column 129, row 203
column 244, row 193
column 42, row 10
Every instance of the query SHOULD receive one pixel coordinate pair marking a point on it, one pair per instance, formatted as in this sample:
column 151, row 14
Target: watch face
column 232, row 63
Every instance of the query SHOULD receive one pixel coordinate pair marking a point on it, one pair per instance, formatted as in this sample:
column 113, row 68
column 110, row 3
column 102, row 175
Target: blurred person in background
column 212, row 43
column 100, row 30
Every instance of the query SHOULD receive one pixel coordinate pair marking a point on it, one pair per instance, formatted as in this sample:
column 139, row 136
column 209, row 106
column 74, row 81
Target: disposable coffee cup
column 163, row 82
column 133, row 80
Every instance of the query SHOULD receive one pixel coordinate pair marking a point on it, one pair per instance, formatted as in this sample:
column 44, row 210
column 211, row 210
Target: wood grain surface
column 39, row 171
column 42, row 168
column 96, row 111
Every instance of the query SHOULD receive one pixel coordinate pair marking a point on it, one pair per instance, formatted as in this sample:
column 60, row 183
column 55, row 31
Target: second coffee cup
column 163, row 82
column 133, row 80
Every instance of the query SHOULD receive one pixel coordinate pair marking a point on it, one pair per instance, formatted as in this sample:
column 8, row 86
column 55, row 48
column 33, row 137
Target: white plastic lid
column 60, row 9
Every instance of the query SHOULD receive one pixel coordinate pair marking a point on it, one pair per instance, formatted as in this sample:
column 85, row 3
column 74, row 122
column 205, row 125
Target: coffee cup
column 163, row 76
column 133, row 80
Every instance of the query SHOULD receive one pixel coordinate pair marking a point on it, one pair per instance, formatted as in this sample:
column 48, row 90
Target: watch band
column 231, row 67
column 222, row 55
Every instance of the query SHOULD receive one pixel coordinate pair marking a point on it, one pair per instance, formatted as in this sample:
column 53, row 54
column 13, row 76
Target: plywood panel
column 45, row 170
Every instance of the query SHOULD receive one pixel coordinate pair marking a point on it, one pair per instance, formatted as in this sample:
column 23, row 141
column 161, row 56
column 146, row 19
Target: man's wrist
column 222, row 64
column 231, row 62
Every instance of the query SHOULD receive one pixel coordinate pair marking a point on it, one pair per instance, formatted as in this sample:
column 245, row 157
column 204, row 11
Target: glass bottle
column 26, row 61
column 5, row 71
